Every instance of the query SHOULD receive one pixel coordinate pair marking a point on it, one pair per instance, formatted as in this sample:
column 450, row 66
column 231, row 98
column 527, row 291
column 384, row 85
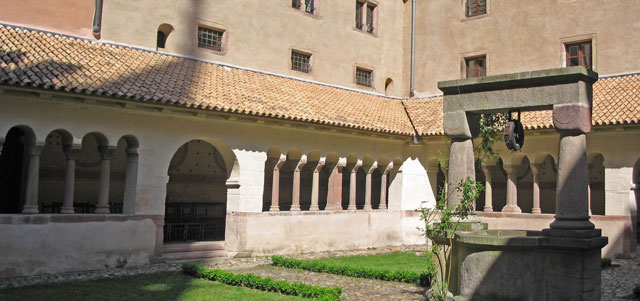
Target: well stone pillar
column 488, row 197
column 295, row 195
column 353, row 179
column 275, row 186
column 315, row 187
column 573, row 121
column 33, row 179
column 71, row 152
column 106, row 153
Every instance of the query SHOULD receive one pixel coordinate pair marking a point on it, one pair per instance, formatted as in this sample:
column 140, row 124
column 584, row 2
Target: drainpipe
column 97, row 19
column 413, row 47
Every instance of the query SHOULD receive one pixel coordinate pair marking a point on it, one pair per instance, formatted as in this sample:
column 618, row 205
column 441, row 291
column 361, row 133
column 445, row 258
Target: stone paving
column 617, row 281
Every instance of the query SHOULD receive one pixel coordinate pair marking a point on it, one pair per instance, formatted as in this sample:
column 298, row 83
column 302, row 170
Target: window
column 163, row 33
column 300, row 61
column 364, row 77
column 475, row 8
column 579, row 54
column 365, row 16
column 161, row 40
column 476, row 67
column 210, row 39
column 309, row 6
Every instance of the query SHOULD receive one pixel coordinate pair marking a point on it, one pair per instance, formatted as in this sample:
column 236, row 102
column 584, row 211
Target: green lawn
column 397, row 261
column 153, row 287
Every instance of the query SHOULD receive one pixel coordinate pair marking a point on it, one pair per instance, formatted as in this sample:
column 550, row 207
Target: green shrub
column 422, row 279
column 262, row 283
column 605, row 262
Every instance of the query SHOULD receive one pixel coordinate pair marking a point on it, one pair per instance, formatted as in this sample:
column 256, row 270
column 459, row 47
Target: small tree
column 441, row 222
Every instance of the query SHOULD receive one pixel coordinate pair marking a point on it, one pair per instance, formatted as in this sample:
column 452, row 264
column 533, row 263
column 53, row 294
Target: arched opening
column 388, row 87
column 376, row 180
column 196, row 203
column 480, row 178
column 13, row 170
column 87, row 175
column 548, row 176
column 163, row 33
column 58, row 147
column 499, row 187
column 441, row 181
column 596, row 185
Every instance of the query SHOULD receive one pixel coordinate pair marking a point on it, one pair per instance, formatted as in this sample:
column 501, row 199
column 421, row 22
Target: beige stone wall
column 65, row 16
column 519, row 36
column 260, row 35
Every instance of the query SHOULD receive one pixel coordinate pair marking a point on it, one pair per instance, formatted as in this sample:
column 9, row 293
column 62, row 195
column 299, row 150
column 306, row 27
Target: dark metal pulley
column 514, row 133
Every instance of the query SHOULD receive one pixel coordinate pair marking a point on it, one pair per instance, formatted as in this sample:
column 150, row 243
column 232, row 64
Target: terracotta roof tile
column 616, row 100
column 44, row 60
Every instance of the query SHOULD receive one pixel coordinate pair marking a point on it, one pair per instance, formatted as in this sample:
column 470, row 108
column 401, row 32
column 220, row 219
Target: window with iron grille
column 300, row 61
column 364, row 77
column 308, row 7
column 476, row 67
column 365, row 16
column 210, row 39
column 579, row 54
column 475, row 8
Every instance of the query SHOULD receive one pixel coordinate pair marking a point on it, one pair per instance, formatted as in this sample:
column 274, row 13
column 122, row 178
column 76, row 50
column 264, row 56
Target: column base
column 488, row 209
column 102, row 209
column 314, row 208
column 511, row 209
column 67, row 210
column 536, row 211
column 564, row 233
column 367, row 207
column 382, row 207
column 274, row 208
column 352, row 207
column 333, row 208
column 30, row 210
column 295, row 208
column 572, row 224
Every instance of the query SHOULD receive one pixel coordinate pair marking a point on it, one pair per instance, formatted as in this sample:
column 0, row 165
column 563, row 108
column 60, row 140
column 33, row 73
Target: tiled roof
column 50, row 61
column 616, row 100
column 43, row 60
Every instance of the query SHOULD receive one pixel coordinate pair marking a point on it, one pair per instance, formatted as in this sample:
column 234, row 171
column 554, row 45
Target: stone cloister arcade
column 61, row 173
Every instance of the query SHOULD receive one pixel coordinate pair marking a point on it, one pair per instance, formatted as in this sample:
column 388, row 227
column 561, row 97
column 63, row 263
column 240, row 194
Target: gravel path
column 619, row 280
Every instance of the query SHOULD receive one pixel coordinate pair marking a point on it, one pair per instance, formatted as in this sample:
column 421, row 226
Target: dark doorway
column 11, row 172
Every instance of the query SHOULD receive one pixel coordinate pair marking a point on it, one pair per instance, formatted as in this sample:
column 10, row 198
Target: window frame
column 365, row 69
column 580, row 54
column 467, row 5
column 223, row 39
column 361, row 22
column 299, row 5
column 477, row 71
column 304, row 53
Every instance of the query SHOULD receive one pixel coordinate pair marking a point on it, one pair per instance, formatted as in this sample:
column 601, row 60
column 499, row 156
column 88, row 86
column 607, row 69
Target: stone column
column 295, row 196
column 315, row 188
column 589, row 167
column 71, row 152
column 461, row 166
column 275, row 186
column 367, row 192
column 383, row 186
column 536, row 169
column 512, row 189
column 106, row 153
column 353, row 185
column 572, row 188
column 488, row 197
column 334, row 193
column 130, row 181
column 33, row 179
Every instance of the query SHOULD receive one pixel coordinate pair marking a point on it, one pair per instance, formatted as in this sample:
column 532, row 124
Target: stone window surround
column 315, row 13
column 474, row 54
column 463, row 12
column 216, row 27
column 363, row 15
column 366, row 68
column 304, row 52
column 577, row 39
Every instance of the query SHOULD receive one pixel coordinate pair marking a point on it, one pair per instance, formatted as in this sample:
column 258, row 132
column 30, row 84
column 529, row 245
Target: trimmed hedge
column 422, row 279
column 264, row 284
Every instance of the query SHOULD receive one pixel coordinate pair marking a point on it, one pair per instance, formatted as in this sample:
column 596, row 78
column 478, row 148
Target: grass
column 152, row 287
column 397, row 261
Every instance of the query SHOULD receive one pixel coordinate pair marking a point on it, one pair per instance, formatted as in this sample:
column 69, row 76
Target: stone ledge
column 39, row 219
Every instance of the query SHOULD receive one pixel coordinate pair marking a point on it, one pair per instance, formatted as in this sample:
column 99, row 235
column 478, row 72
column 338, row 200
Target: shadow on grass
column 156, row 287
